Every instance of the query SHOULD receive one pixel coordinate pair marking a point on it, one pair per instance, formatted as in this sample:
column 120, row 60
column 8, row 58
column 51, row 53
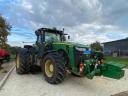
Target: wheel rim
column 49, row 68
column 17, row 61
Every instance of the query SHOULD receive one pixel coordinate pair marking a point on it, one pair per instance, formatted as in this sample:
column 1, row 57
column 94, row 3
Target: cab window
column 52, row 37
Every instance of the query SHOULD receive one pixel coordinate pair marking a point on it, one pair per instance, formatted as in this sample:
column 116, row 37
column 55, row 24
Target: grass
column 13, row 56
column 117, row 60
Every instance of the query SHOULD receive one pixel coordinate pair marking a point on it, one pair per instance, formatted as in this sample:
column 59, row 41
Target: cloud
column 86, row 20
column 53, row 12
column 88, row 33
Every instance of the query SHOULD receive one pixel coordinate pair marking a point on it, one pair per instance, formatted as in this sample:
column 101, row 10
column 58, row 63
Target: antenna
column 63, row 29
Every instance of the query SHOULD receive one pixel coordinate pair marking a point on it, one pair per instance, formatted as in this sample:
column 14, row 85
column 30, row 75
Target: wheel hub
column 49, row 68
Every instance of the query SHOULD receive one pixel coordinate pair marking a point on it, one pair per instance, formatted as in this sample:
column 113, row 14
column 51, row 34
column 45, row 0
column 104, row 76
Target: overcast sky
column 85, row 20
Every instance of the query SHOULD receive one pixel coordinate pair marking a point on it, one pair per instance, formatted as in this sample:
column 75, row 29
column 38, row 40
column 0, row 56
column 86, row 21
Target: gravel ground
column 33, row 85
column 6, row 67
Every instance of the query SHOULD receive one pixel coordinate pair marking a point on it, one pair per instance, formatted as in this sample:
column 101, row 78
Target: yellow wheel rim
column 17, row 61
column 49, row 68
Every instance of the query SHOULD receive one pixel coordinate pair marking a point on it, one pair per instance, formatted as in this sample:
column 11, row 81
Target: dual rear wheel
column 52, row 65
column 23, row 61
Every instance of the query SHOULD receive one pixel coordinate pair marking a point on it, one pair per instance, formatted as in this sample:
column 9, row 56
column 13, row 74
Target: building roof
column 116, row 41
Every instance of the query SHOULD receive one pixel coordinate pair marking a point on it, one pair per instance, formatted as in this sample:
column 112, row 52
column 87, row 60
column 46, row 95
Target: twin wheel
column 52, row 65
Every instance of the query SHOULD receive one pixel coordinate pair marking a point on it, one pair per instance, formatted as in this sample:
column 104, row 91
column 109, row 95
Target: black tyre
column 76, row 75
column 23, row 62
column 53, row 68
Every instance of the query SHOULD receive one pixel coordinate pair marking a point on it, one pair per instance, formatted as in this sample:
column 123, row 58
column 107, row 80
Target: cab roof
column 41, row 30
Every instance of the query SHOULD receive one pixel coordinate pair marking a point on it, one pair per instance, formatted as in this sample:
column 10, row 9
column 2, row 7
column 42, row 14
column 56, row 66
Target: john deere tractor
column 56, row 57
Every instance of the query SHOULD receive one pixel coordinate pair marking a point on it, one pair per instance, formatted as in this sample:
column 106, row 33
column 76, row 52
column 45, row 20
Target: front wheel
column 53, row 67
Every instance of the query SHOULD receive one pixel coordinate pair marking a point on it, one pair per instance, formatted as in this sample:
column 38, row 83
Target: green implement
column 113, row 70
column 110, row 70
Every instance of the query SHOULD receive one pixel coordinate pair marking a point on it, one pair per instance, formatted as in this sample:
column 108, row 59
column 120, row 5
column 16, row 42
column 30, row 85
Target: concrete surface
column 125, row 93
column 35, row 85
column 3, row 81
column 6, row 67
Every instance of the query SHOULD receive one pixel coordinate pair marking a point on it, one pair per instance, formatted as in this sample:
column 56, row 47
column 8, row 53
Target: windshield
column 52, row 37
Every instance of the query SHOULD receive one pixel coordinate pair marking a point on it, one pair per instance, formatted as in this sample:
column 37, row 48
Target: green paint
column 113, row 70
column 108, row 70
column 88, row 71
column 68, row 48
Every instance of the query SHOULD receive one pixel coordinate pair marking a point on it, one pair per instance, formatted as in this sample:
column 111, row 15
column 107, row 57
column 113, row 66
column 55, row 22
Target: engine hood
column 71, row 44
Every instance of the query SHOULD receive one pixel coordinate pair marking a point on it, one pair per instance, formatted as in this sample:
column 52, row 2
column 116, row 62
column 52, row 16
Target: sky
column 86, row 21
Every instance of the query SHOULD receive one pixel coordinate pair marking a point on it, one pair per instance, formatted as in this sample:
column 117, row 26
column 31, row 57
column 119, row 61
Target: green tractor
column 56, row 57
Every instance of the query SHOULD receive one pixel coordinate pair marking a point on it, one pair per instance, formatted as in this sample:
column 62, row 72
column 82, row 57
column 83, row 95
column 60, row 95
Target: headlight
column 80, row 49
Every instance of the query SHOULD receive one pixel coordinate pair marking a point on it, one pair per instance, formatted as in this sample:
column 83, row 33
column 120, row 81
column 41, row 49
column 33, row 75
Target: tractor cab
column 50, row 35
column 46, row 38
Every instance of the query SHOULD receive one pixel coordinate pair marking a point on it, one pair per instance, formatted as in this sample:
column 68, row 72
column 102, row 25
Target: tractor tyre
column 23, row 64
column 53, row 68
column 76, row 75
column 34, row 68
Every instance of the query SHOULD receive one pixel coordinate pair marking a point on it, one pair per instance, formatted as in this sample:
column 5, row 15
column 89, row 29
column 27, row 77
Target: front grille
column 79, row 56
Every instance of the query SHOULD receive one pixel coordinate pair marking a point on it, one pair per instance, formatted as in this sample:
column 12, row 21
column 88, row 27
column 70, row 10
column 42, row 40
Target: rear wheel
column 23, row 60
column 53, row 68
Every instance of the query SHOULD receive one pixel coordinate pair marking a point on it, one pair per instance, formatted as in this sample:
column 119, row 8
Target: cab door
column 40, row 46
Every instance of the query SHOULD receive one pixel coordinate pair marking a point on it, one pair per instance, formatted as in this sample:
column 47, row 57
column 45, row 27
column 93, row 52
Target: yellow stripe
column 70, row 45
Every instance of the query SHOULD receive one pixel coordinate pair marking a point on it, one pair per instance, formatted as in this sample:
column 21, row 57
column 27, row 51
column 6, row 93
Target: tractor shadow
column 35, row 69
column 70, row 79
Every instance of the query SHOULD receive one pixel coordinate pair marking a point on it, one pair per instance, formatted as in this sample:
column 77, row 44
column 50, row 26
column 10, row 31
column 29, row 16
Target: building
column 116, row 48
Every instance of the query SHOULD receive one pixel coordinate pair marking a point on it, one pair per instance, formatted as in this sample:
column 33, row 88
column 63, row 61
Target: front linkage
column 95, row 67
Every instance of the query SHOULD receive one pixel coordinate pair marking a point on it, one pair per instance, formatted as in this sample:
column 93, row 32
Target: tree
column 96, row 46
column 5, row 29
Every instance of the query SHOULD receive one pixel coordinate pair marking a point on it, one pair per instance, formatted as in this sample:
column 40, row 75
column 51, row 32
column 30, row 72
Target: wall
column 120, row 47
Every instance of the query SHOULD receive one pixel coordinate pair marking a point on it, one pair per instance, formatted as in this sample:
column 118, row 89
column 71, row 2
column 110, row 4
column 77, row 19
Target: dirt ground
column 6, row 67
